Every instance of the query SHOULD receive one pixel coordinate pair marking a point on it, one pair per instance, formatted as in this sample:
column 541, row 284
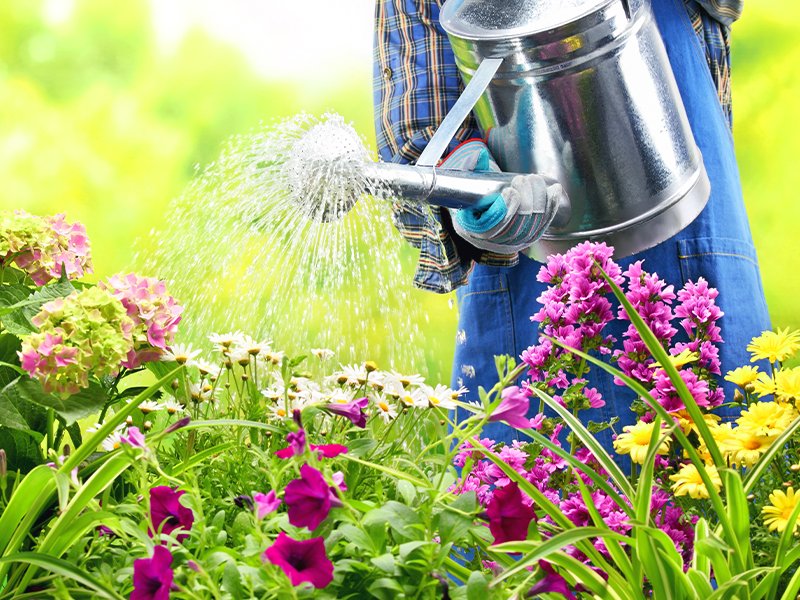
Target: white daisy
column 113, row 441
column 273, row 393
column 223, row 342
column 180, row 353
column 322, row 353
column 207, row 368
column 149, row 406
column 414, row 397
column 240, row 356
column 172, row 406
column 338, row 396
column 386, row 411
column 354, row 375
column 273, row 356
column 408, row 380
column 392, row 386
column 439, row 397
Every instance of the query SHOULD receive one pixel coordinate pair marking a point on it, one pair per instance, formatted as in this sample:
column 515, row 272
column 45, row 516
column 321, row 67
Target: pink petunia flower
column 509, row 514
column 152, row 577
column 266, row 503
column 309, row 498
column 352, row 410
column 301, row 561
column 513, row 408
column 167, row 513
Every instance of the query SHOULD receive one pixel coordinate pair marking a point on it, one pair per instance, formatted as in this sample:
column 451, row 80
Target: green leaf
column 477, row 586
column 64, row 569
column 22, row 450
column 77, row 406
column 385, row 562
column 232, row 581
column 16, row 412
column 385, row 589
column 16, row 316
column 407, row 490
column 9, row 361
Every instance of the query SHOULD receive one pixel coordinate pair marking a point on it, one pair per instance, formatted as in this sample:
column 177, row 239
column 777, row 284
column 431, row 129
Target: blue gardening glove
column 512, row 220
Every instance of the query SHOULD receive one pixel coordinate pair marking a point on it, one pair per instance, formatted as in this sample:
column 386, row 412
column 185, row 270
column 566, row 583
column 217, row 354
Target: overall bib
column 495, row 306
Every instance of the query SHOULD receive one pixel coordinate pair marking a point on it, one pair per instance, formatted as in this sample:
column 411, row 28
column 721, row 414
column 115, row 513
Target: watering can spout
column 450, row 188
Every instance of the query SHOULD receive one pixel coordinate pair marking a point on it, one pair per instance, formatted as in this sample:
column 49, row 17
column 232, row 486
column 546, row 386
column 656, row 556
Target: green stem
column 51, row 416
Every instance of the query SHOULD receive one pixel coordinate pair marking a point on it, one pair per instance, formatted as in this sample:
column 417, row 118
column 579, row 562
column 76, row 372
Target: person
column 416, row 82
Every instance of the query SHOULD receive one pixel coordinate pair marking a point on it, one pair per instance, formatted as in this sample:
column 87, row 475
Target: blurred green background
column 99, row 122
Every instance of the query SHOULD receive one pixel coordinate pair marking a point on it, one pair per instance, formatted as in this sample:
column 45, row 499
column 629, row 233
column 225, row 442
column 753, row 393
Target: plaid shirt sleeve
column 416, row 82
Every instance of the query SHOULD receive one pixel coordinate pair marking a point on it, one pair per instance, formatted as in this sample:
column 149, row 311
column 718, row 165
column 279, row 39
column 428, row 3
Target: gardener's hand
column 512, row 220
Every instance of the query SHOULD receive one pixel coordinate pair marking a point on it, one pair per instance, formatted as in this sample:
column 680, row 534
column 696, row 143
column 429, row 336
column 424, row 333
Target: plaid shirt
column 416, row 82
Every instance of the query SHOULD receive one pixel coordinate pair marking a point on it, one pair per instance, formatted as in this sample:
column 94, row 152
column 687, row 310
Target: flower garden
column 133, row 466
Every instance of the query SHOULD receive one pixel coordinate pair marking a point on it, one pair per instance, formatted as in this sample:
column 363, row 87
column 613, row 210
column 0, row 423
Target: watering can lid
column 496, row 19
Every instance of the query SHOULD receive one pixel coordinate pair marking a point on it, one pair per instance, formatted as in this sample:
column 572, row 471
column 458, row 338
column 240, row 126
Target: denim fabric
column 496, row 304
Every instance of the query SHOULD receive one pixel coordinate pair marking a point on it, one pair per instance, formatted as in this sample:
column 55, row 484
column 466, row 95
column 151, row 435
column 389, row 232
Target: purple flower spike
column 302, row 561
column 266, row 503
column 352, row 410
column 168, row 513
column 152, row 577
column 309, row 498
column 513, row 408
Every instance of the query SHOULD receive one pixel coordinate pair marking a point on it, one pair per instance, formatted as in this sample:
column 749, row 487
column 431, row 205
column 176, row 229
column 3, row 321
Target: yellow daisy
column 764, row 385
column 776, row 516
column 745, row 448
column 766, row 419
column 679, row 360
column 688, row 481
column 686, row 423
column 742, row 376
column 635, row 440
column 774, row 345
column 787, row 384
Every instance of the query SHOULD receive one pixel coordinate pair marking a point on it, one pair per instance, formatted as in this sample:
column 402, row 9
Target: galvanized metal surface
column 591, row 102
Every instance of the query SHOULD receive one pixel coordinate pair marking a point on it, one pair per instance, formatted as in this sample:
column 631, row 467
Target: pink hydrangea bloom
column 44, row 247
column 155, row 315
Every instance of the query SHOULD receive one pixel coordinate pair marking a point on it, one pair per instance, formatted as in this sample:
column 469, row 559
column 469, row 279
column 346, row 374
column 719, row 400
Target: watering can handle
column 455, row 117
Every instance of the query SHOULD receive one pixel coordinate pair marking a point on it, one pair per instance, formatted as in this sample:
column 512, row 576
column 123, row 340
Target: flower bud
column 370, row 366
column 788, row 484
column 738, row 396
column 178, row 425
column 129, row 420
column 3, row 464
column 795, row 468
column 751, row 497
column 749, row 388
column 175, row 384
column 245, row 377
column 147, row 425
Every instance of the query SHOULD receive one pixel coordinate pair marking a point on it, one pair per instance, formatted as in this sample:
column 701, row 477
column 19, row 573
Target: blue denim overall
column 496, row 305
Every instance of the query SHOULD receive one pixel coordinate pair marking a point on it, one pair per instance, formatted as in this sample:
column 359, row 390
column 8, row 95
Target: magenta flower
column 509, row 515
column 152, row 577
column 352, row 410
column 297, row 446
column 552, row 583
column 133, row 438
column 167, row 513
column 513, row 408
column 302, row 561
column 309, row 498
column 266, row 503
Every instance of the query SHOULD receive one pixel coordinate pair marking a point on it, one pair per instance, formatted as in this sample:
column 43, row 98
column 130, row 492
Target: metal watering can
column 580, row 91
